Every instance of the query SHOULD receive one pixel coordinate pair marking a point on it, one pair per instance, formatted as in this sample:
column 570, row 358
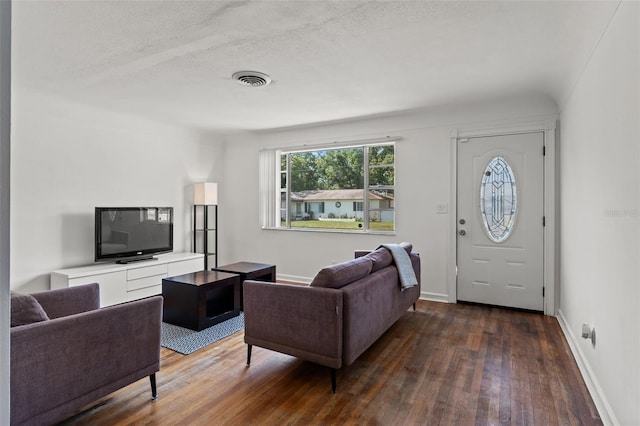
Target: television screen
column 132, row 233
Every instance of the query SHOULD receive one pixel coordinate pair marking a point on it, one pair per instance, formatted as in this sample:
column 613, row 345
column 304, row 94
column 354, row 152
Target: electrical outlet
column 586, row 331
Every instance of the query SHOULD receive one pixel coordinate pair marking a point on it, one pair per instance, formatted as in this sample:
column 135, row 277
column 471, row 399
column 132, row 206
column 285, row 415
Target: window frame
column 282, row 189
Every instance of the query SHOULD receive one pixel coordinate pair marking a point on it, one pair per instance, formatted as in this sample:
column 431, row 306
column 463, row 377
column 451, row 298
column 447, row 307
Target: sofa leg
column 154, row 389
column 333, row 380
column 248, row 355
column 414, row 306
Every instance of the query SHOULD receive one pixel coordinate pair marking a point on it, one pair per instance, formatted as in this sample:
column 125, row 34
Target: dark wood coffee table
column 201, row 299
column 250, row 271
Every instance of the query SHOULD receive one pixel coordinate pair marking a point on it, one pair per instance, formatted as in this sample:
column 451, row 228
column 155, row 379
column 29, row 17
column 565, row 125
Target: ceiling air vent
column 251, row 78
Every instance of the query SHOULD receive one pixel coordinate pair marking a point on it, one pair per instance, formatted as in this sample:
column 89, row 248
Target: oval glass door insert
column 498, row 200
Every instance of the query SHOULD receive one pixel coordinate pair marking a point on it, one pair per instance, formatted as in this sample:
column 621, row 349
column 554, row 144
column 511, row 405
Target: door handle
column 462, row 232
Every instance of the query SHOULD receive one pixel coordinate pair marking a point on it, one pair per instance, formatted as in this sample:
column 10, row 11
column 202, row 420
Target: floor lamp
column 205, row 194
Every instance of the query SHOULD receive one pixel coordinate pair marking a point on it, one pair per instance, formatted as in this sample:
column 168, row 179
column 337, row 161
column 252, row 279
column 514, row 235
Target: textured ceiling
column 173, row 60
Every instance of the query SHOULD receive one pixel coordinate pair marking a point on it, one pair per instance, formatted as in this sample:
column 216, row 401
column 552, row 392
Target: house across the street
column 345, row 204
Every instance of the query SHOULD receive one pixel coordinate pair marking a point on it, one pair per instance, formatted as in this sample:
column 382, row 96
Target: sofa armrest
column 372, row 304
column 298, row 320
column 69, row 358
column 69, row 301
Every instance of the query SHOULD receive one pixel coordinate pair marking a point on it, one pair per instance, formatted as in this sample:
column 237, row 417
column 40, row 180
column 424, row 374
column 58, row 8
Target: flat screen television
column 127, row 234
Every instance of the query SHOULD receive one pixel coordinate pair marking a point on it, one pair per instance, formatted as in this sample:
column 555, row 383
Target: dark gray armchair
column 81, row 353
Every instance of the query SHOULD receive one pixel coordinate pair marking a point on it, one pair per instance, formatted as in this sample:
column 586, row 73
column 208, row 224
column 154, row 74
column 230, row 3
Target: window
column 498, row 199
column 347, row 188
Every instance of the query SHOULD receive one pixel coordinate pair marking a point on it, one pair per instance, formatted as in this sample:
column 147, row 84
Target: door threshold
column 508, row 308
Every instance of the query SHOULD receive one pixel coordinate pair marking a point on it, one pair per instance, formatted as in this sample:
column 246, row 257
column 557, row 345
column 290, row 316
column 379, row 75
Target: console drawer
column 145, row 292
column 146, row 271
column 145, row 282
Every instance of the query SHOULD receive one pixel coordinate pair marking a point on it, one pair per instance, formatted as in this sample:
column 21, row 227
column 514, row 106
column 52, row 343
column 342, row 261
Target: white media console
column 121, row 283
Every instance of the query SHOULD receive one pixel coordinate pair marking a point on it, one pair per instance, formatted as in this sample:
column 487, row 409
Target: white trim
column 328, row 230
column 550, row 211
column 506, row 129
column 434, row 297
column 5, row 208
column 387, row 140
column 452, row 269
column 551, row 230
column 605, row 411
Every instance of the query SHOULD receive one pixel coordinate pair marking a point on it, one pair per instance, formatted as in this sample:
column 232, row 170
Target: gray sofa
column 66, row 352
column 331, row 322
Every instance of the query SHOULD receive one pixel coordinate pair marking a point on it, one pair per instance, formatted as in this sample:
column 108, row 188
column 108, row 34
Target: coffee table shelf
column 201, row 299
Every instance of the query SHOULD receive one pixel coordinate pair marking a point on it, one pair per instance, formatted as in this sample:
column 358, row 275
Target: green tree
column 304, row 172
column 341, row 168
column 381, row 165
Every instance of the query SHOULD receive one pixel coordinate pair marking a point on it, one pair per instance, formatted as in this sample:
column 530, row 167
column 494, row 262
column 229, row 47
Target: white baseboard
column 599, row 399
column 434, row 297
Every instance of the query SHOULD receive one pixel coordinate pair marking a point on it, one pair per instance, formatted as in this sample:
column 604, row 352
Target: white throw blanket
column 403, row 264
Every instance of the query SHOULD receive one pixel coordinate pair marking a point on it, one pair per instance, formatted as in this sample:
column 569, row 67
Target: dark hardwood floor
column 442, row 365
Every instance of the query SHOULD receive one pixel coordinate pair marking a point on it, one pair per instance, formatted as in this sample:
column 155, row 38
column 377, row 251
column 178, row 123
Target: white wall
column 423, row 179
column 5, row 145
column 67, row 159
column 600, row 244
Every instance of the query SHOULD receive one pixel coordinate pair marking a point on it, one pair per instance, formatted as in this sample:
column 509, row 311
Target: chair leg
column 333, row 380
column 248, row 355
column 154, row 389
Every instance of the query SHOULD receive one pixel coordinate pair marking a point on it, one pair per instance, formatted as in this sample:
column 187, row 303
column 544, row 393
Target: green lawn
column 321, row 224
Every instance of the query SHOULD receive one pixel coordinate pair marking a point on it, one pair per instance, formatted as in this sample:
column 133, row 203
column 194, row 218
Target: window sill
column 330, row 231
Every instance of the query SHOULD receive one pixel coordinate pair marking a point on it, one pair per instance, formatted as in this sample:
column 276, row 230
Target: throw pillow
column 25, row 309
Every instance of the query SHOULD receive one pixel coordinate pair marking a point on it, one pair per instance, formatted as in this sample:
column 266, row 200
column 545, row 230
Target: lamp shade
column 205, row 194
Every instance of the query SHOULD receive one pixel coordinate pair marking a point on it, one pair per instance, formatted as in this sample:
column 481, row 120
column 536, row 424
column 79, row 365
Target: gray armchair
column 81, row 353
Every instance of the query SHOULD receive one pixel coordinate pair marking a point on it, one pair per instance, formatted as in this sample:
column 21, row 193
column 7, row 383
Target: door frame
column 551, row 213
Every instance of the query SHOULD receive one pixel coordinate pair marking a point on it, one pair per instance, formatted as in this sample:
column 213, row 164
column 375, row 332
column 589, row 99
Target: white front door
column 500, row 220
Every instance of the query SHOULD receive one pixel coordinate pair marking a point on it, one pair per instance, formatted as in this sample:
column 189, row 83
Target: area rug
column 185, row 341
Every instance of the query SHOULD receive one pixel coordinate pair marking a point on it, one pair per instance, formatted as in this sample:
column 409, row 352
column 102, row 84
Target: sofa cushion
column 25, row 309
column 407, row 246
column 341, row 274
column 382, row 258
